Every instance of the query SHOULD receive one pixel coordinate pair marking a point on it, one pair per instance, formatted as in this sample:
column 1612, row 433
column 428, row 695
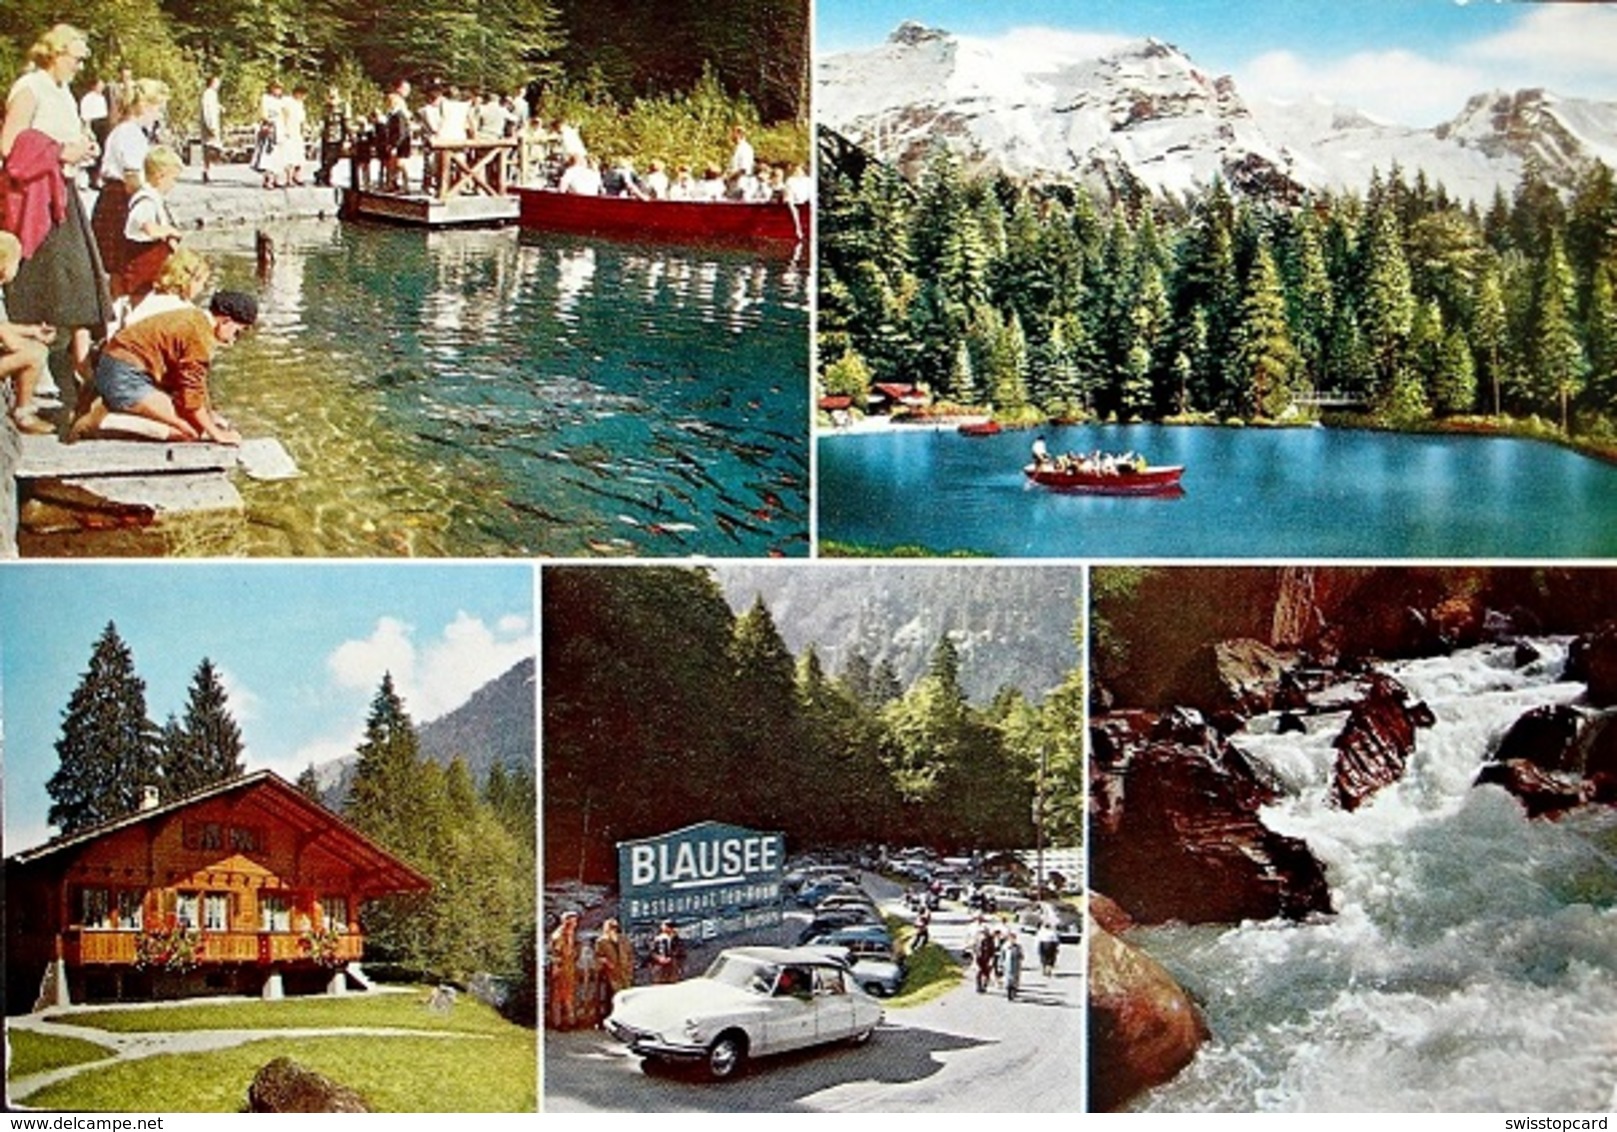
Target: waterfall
column 1472, row 960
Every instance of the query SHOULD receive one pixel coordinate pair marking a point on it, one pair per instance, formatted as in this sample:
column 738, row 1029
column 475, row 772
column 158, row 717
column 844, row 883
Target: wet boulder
column 1177, row 835
column 1593, row 658
column 1143, row 1027
column 1543, row 793
column 1546, row 737
column 1375, row 743
column 1238, row 677
column 1555, row 758
column 283, row 1085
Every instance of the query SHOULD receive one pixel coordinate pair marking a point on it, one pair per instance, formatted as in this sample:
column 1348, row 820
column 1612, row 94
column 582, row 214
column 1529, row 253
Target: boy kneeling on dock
column 157, row 370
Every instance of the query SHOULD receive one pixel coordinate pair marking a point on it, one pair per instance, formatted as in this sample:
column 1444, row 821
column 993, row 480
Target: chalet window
column 274, row 914
column 131, row 909
column 336, row 912
column 246, row 838
column 95, row 908
column 185, row 909
column 204, row 835
column 216, row 912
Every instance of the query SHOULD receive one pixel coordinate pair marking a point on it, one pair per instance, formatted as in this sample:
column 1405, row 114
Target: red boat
column 980, row 428
column 1132, row 481
column 678, row 221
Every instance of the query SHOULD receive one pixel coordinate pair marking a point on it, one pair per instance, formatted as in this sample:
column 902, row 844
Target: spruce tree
column 1387, row 305
column 308, row 785
column 1559, row 362
column 1264, row 354
column 383, row 796
column 206, row 746
column 108, row 747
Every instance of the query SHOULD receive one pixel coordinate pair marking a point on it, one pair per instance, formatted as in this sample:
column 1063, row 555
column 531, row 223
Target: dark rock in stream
column 1175, row 829
column 1376, row 741
column 1556, row 758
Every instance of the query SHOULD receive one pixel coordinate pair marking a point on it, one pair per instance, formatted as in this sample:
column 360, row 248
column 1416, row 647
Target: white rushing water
column 1471, row 963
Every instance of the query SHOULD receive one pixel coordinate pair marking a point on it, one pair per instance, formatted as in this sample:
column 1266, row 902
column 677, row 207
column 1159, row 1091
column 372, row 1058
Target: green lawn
column 35, row 1053
column 929, row 973
column 442, row 1074
column 404, row 1011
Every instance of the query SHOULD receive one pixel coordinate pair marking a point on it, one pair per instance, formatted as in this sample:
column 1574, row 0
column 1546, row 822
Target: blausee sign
column 720, row 878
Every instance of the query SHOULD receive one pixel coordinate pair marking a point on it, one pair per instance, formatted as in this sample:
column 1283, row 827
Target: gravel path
column 133, row 1046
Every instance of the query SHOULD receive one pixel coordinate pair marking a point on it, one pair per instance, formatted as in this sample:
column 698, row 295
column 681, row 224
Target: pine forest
column 1049, row 301
column 663, row 708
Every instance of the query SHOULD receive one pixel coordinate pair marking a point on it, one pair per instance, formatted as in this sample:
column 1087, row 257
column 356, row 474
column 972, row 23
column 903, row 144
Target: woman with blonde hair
column 61, row 281
column 123, row 173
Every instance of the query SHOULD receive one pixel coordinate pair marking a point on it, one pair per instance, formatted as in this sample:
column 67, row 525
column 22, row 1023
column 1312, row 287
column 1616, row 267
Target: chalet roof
column 279, row 798
column 835, row 401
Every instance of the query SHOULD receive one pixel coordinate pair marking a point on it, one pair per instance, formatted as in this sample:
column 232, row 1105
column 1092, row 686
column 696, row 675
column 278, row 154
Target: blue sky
column 302, row 650
column 1411, row 61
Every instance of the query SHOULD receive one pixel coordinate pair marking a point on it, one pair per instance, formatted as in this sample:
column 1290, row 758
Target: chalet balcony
column 112, row 947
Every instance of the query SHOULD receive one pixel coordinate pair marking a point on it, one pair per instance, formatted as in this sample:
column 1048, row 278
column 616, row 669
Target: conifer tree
column 108, row 746
column 205, row 747
column 1263, row 353
column 1559, row 364
column 1489, row 325
column 1387, row 304
column 384, row 795
column 308, row 785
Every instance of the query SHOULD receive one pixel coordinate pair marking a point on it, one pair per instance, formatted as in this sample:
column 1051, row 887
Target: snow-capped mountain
column 1108, row 113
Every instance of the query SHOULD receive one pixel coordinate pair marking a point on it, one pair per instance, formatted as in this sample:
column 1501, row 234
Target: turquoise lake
column 1248, row 493
column 475, row 393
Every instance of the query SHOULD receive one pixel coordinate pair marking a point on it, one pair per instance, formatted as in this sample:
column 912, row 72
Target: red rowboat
column 1150, row 481
column 721, row 222
column 980, row 428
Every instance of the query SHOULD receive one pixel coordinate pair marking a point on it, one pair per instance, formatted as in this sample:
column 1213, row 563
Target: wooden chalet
column 889, row 396
column 247, row 886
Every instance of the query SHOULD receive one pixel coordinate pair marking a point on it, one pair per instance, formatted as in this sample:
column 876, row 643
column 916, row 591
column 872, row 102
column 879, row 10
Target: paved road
column 963, row 1052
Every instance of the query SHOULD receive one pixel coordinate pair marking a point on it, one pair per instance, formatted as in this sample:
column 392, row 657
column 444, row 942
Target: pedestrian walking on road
column 984, row 948
column 1010, row 961
column 923, row 928
column 1049, row 943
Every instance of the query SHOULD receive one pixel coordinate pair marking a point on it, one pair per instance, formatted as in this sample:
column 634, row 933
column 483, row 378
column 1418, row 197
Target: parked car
column 1069, row 922
column 842, row 918
column 871, row 958
column 1002, row 897
column 750, row 1002
column 840, row 935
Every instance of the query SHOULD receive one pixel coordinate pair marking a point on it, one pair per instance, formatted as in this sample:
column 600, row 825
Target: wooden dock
column 464, row 184
column 121, row 497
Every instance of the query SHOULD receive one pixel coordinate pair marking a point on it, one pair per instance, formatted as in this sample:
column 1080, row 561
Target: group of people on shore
column 113, row 288
column 580, row 980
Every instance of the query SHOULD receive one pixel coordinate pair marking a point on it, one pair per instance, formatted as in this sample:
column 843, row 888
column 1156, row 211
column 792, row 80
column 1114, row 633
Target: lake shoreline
column 1508, row 428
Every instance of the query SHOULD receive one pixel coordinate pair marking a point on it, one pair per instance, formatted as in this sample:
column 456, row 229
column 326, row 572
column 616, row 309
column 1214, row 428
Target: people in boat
column 157, row 369
column 799, row 186
column 684, row 185
column 711, row 186
column 741, row 157
column 618, row 180
column 1041, row 453
column 656, row 183
column 582, row 176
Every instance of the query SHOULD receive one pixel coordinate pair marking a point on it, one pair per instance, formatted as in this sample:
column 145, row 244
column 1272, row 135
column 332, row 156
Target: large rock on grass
column 285, row 1086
